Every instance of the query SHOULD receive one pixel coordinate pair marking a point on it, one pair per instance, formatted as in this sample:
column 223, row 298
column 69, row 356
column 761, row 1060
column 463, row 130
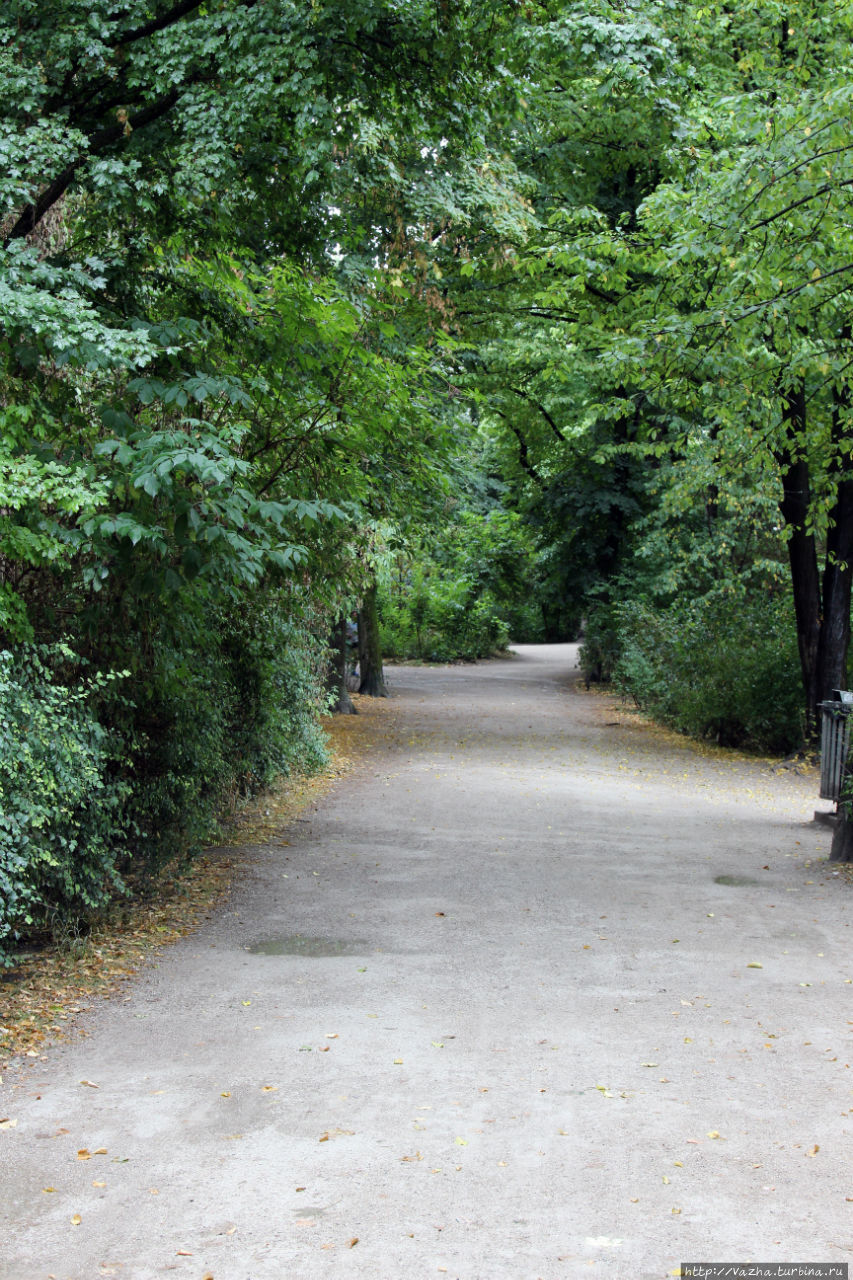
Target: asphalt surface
column 535, row 992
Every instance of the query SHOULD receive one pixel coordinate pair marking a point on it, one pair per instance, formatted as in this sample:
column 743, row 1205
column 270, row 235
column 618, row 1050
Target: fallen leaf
column 183, row 1253
column 649, row 1064
column 712, row 1133
column 398, row 1062
column 461, row 1142
column 101, row 1151
column 47, row 1190
column 76, row 1220
column 676, row 1211
column 813, row 1151
column 353, row 1242
column 754, row 964
column 99, row 1184
column 336, row 1133
column 225, row 1095
column 666, row 1179
column 270, row 1088
column 411, row 1159
column 83, row 1154
column 7, row 1123
column 332, row 1035
column 91, row 1084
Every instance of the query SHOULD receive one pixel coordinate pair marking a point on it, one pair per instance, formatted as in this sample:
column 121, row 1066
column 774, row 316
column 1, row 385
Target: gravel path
column 536, row 992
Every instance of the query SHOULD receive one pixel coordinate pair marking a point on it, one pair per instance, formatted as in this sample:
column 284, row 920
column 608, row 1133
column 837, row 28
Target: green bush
column 466, row 596
column 63, row 818
column 441, row 620
column 225, row 705
column 723, row 666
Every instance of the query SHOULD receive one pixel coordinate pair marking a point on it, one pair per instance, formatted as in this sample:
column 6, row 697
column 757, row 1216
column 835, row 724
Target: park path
column 488, row 1012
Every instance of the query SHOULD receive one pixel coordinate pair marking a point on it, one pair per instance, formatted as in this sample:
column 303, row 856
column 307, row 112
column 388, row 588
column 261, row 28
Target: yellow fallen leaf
column 336, row 1133
column 270, row 1088
column 7, row 1123
column 678, row 1164
column 47, row 1190
column 676, row 1211
column 101, row 1151
column 813, row 1151
column 666, row 1179
column 398, row 1062
column 754, row 964
column 91, row 1084
column 225, row 1095
column 99, row 1184
column 461, row 1142
column 332, row 1035
column 712, row 1133
column 76, row 1220
column 353, row 1242
column 84, row 1154
column 183, row 1253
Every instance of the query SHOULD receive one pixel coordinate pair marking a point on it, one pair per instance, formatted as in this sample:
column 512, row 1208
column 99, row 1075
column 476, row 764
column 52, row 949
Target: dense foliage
column 551, row 299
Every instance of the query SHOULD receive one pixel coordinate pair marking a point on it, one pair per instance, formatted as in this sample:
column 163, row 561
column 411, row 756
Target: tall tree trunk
column 369, row 649
column 838, row 571
column 342, row 703
column 837, row 578
column 802, row 552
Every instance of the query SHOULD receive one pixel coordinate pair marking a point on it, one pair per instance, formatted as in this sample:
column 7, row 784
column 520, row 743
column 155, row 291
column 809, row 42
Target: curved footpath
column 533, row 993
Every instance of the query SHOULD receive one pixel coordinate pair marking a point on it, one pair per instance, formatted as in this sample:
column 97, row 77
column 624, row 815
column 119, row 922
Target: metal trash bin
column 834, row 742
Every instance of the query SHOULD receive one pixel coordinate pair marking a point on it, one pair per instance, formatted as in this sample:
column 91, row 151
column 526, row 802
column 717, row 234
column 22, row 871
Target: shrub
column 224, row 705
column 63, row 821
column 722, row 666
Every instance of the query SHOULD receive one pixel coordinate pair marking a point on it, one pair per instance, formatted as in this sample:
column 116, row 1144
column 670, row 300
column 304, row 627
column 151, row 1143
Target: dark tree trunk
column 837, row 578
column 802, row 551
column 842, row 838
column 369, row 650
column 342, row 703
column 838, row 571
